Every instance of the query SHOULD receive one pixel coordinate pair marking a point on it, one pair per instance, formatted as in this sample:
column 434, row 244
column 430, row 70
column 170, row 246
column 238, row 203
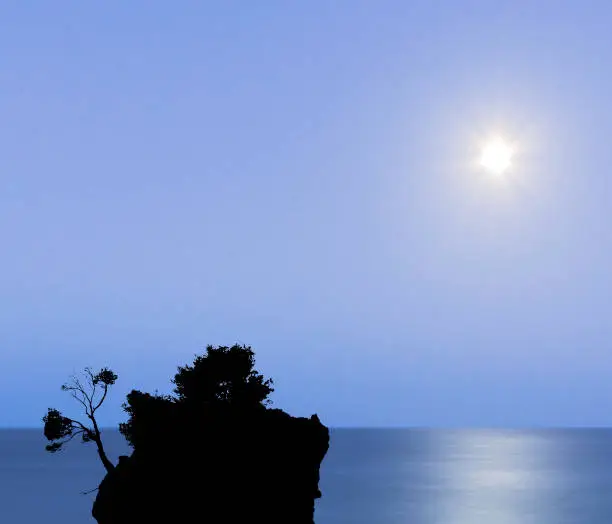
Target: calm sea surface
column 373, row 476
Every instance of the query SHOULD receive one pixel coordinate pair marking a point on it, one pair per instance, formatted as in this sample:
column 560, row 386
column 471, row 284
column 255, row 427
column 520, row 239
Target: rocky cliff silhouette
column 198, row 460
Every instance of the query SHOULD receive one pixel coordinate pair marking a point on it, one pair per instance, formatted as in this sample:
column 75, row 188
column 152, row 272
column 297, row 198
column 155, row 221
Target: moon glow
column 496, row 156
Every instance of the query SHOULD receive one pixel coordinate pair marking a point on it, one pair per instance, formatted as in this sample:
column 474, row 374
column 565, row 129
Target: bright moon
column 496, row 156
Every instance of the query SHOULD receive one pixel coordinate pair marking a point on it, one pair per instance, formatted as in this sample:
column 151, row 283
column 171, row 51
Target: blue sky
column 301, row 177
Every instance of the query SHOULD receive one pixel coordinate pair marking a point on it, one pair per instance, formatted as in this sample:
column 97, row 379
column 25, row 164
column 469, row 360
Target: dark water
column 369, row 476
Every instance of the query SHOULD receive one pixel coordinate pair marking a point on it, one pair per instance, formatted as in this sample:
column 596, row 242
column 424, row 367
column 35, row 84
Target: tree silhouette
column 224, row 377
column 225, row 374
column 61, row 429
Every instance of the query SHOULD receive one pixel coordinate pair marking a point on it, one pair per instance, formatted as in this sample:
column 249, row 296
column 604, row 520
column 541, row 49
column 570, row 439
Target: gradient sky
column 301, row 177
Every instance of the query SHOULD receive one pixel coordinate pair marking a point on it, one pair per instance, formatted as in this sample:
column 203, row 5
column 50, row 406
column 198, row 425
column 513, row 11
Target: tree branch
column 74, row 396
column 92, row 384
column 82, row 390
column 82, row 426
column 73, row 435
column 102, row 399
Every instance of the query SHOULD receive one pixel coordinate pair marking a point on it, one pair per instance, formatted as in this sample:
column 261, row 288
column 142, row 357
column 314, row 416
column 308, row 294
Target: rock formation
column 207, row 463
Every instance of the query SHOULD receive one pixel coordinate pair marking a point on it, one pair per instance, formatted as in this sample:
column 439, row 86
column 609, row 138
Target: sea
column 369, row 476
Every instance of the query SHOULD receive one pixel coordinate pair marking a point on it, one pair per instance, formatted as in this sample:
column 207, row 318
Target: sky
column 302, row 177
